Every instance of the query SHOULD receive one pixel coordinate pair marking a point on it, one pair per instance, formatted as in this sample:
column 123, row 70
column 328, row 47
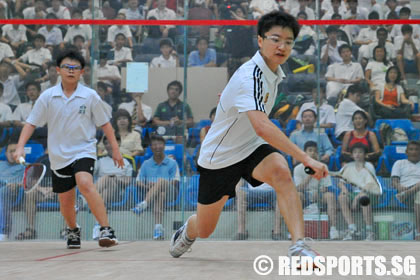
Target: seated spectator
column 52, row 34
column 5, row 112
column 130, row 139
column 170, row 114
column 83, row 30
column 341, row 75
column 346, row 110
column 102, row 90
column 305, row 41
column 313, row 191
column 405, row 13
column 376, row 69
column 335, row 7
column 134, row 12
column 10, row 84
column 246, row 194
column 6, row 52
column 11, row 174
column 262, row 7
column 360, row 134
column 59, row 10
column 408, row 55
column 52, row 78
column 390, row 101
column 349, row 198
column 204, row 130
column 329, row 52
column 203, row 56
column 326, row 111
column 15, row 36
column 22, row 111
column 97, row 13
column 161, row 12
column 308, row 133
column 43, row 193
column 140, row 113
column 303, row 7
column 168, row 57
column 109, row 74
column 36, row 11
column 366, row 52
column 114, row 30
column 86, row 77
column 121, row 55
column 354, row 11
column 405, row 176
column 367, row 35
column 39, row 56
column 159, row 178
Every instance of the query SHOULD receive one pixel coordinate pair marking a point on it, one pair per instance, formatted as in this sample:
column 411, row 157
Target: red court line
column 197, row 22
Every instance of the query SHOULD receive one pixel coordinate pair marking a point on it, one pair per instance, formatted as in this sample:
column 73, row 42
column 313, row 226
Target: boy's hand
column 118, row 159
column 20, row 152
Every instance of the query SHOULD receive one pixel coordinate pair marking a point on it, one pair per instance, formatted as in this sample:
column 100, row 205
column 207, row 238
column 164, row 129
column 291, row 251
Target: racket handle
column 309, row 170
column 22, row 160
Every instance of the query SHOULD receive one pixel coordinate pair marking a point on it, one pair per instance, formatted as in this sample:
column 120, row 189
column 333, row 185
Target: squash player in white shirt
column 243, row 143
column 72, row 113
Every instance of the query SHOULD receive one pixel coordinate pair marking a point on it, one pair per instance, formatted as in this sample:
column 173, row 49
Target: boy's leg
column 329, row 199
column 344, row 201
column 67, row 201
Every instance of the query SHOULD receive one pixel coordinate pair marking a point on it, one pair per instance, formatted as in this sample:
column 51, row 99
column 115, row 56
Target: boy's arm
column 116, row 155
column 26, row 133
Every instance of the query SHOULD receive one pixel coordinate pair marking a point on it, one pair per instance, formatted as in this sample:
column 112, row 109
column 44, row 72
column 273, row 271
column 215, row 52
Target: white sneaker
column 311, row 209
column 179, row 242
column 300, row 249
column 334, row 234
column 349, row 235
column 3, row 237
column 96, row 231
column 370, row 236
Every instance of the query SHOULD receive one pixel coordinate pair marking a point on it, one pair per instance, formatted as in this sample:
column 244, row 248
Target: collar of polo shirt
column 259, row 60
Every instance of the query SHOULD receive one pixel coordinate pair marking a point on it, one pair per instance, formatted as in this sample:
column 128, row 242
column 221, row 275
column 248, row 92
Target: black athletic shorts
column 64, row 179
column 216, row 183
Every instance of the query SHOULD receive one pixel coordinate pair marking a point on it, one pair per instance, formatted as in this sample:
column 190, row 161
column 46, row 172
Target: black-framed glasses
column 70, row 67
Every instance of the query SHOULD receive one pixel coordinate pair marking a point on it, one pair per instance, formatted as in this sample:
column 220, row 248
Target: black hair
column 361, row 113
column 358, row 145
column 120, row 34
column 202, row 39
column 102, row 85
column 277, row 18
column 39, row 36
column 373, row 15
column 406, row 28
column 213, row 112
column 76, row 11
column 392, row 15
column 342, row 47
column 309, row 144
column 33, row 83
column 353, row 89
column 51, row 16
column 78, row 37
column 397, row 81
column 381, row 29
column 336, row 16
column 175, row 83
column 405, row 10
column 302, row 13
column 122, row 113
column 331, row 29
column 165, row 42
column 309, row 110
column 71, row 54
column 374, row 55
column 156, row 137
column 414, row 142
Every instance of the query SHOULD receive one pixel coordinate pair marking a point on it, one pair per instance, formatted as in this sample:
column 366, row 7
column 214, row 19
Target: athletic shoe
column 96, row 231
column 370, row 236
column 158, row 233
column 107, row 237
column 179, row 242
column 349, row 235
column 73, row 238
column 140, row 207
column 334, row 234
column 300, row 249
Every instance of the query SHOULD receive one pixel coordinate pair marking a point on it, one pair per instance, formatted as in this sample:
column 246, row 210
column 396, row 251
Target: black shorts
column 216, row 183
column 65, row 179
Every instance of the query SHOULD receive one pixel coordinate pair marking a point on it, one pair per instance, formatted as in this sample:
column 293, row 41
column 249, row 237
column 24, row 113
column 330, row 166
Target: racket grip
column 22, row 160
column 309, row 170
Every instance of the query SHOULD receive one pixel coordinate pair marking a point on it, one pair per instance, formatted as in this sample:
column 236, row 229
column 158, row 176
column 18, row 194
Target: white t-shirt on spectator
column 5, row 51
column 53, row 37
column 378, row 71
column 15, row 35
column 161, row 62
column 123, row 54
column 10, row 93
column 344, row 114
column 22, row 111
column 408, row 50
column 326, row 112
column 86, row 14
column 83, row 29
column 299, row 176
column 333, row 54
column 114, row 30
column 5, row 112
column 106, row 71
column 265, row 5
column 129, row 106
column 37, row 57
column 407, row 171
column 106, row 166
column 62, row 13
column 29, row 13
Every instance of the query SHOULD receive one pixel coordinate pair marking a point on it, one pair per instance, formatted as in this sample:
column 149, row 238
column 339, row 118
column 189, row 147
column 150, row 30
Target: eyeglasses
column 69, row 67
column 288, row 44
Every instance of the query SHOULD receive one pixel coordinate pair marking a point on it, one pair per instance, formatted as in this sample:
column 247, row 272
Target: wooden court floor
column 151, row 260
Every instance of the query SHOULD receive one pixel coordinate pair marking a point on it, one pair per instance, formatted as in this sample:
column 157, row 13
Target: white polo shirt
column 231, row 137
column 161, row 62
column 15, row 35
column 114, row 30
column 22, row 111
column 326, row 112
column 71, row 123
column 37, row 57
column 5, row 112
column 5, row 51
column 123, row 54
column 53, row 37
column 343, row 117
column 83, row 30
column 407, row 171
column 62, row 13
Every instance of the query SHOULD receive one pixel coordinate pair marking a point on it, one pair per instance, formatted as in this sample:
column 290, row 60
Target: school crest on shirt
column 267, row 95
column 82, row 109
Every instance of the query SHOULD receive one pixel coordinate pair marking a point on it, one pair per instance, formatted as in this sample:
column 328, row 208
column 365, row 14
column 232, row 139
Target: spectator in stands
column 59, row 10
column 121, row 55
column 83, row 30
column 346, row 110
column 205, row 129
column 261, row 7
column 37, row 11
column 53, row 35
column 392, row 6
column 159, row 177
column 15, row 36
column 360, row 134
column 390, row 99
column 52, row 77
column 43, row 193
column 367, row 35
column 359, row 170
column 140, row 113
column 109, row 74
column 408, row 55
column 5, row 112
column 161, row 12
column 170, row 114
column 130, row 139
column 168, row 57
column 6, row 52
column 39, row 56
column 117, row 29
column 405, row 176
column 199, row 11
column 86, row 78
column 366, row 52
column 341, row 75
column 22, row 111
column 303, row 7
column 203, row 56
column 326, row 111
column 81, row 47
column 308, row 133
column 329, row 52
column 405, row 13
column 376, row 69
column 245, row 195
column 134, row 12
column 355, row 12
column 97, row 13
column 102, row 90
column 305, row 41
column 11, row 174
column 10, row 84
column 312, row 191
column 336, row 7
